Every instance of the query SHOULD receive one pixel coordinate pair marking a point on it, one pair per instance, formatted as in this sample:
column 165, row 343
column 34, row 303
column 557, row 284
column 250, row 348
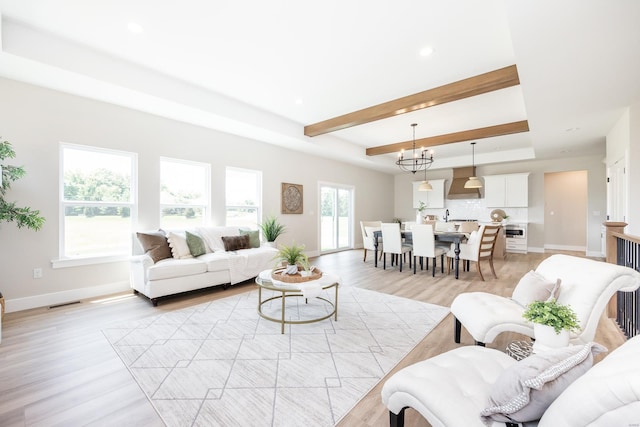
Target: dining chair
column 468, row 226
column 479, row 247
column 424, row 246
column 368, row 239
column 392, row 240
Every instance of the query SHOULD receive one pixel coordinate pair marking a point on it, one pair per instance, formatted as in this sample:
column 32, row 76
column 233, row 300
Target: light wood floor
column 56, row 367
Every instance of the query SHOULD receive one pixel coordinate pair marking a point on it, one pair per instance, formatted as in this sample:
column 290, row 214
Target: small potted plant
column 291, row 257
column 271, row 229
column 552, row 323
column 421, row 207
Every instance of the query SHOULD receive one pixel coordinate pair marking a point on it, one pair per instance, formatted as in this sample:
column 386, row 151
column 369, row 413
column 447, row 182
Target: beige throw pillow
column 535, row 287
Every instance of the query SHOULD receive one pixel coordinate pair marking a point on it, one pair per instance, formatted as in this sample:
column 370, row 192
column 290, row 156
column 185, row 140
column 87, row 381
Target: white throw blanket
column 248, row 263
column 310, row 289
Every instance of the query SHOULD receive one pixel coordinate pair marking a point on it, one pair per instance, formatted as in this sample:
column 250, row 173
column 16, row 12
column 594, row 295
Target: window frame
column 72, row 261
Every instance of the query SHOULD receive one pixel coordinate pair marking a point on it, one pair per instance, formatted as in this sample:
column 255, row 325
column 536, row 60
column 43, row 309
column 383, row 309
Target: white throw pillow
column 535, row 287
column 178, row 245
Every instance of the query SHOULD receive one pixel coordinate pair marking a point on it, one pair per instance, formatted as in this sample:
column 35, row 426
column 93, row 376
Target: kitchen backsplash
column 476, row 209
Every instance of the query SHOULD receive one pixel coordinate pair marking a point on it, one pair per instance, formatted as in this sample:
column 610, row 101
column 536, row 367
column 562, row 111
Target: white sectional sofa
column 182, row 272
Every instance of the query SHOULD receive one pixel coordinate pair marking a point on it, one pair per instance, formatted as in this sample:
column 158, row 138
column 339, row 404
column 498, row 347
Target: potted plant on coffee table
column 271, row 229
column 552, row 323
column 291, row 257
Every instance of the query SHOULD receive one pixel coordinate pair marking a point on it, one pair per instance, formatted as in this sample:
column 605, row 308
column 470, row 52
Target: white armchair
column 586, row 285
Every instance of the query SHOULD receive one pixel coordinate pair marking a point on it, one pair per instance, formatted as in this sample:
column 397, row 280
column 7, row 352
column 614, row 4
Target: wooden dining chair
column 424, row 246
column 392, row 240
column 478, row 248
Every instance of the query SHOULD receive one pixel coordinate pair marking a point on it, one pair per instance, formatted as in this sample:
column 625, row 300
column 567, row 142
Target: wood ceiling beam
column 450, row 138
column 483, row 83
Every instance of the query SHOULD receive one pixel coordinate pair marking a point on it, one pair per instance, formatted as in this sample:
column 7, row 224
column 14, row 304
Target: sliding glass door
column 336, row 213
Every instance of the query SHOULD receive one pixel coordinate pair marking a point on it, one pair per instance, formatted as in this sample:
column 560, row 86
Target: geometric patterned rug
column 220, row 364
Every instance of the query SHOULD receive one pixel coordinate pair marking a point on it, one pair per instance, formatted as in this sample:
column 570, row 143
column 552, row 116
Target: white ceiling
column 240, row 67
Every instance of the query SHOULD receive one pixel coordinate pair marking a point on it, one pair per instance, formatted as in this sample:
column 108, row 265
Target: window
column 243, row 197
column 184, row 193
column 98, row 201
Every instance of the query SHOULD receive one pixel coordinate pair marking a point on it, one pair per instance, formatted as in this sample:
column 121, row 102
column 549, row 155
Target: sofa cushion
column 523, row 392
column 216, row 261
column 254, row 237
column 178, row 245
column 195, row 243
column 535, row 287
column 171, row 267
column 155, row 244
column 235, row 243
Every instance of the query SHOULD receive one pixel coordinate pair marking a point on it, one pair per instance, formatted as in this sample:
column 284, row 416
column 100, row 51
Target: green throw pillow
column 254, row 237
column 196, row 244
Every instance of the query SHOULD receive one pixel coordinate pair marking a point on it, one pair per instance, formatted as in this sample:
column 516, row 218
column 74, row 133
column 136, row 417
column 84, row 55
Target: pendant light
column 473, row 181
column 418, row 159
column 425, row 185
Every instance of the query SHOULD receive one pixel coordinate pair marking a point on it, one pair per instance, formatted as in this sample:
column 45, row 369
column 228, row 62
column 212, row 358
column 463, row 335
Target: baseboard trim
column 566, row 248
column 57, row 298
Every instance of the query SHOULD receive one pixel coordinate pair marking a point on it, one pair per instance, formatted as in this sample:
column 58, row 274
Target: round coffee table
column 286, row 290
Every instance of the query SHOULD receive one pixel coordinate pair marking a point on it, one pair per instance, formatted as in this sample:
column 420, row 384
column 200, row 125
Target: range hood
column 457, row 190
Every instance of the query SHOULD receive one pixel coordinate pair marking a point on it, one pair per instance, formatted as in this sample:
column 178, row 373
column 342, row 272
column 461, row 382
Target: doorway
column 565, row 211
column 336, row 213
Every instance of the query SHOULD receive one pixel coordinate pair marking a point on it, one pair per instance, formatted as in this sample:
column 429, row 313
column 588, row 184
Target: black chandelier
column 418, row 160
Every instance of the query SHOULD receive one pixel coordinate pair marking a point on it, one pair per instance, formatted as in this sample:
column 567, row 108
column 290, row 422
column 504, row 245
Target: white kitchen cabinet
column 506, row 191
column 434, row 199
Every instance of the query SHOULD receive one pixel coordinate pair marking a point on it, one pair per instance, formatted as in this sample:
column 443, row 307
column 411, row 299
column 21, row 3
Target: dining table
column 444, row 236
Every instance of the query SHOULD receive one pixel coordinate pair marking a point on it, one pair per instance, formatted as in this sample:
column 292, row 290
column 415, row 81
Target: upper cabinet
column 507, row 191
column 434, row 199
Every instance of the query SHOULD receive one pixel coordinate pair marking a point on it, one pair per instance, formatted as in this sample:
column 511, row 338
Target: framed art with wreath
column 291, row 198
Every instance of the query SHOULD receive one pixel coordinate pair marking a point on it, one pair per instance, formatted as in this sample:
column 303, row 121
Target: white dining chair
column 424, row 246
column 392, row 240
column 368, row 239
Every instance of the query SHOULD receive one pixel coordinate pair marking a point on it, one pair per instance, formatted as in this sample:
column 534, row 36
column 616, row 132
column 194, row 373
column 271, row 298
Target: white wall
column 623, row 140
column 36, row 120
column 534, row 214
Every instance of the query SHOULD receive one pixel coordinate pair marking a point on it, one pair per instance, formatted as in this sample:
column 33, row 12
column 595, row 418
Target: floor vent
column 62, row 305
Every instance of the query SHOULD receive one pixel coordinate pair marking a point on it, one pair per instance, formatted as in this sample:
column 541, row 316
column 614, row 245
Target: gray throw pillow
column 254, row 237
column 524, row 391
column 155, row 244
column 195, row 244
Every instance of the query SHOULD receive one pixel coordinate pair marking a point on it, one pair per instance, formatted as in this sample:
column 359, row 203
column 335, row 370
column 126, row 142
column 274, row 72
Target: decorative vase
column 292, row 269
column 547, row 338
column 270, row 244
column 419, row 217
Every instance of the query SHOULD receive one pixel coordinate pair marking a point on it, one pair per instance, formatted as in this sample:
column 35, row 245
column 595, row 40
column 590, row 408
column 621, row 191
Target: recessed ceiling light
column 426, row 51
column 135, row 28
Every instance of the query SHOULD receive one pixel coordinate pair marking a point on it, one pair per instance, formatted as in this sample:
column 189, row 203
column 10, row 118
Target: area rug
column 220, row 364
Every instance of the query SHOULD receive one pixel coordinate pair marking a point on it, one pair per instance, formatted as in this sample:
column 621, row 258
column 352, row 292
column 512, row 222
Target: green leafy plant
column 552, row 314
column 271, row 228
column 292, row 255
column 9, row 212
column 422, row 206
